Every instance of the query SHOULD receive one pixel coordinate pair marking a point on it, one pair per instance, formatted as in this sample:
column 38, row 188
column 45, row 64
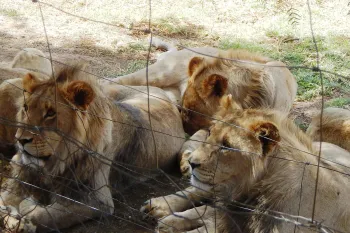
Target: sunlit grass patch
column 338, row 102
column 9, row 12
column 133, row 66
column 172, row 27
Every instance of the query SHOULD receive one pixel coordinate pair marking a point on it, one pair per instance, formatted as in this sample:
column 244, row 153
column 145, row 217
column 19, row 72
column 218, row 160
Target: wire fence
column 87, row 186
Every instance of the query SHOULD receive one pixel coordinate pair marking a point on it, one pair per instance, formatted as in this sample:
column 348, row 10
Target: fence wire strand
column 136, row 172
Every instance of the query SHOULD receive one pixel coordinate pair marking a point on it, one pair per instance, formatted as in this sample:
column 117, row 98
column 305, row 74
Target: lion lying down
column 268, row 163
column 29, row 59
column 335, row 127
column 198, row 82
column 69, row 148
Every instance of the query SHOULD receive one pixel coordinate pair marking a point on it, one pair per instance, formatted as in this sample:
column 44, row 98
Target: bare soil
column 110, row 49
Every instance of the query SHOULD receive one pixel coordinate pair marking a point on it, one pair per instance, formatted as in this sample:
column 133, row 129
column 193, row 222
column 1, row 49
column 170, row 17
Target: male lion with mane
column 197, row 82
column 252, row 80
column 260, row 158
column 71, row 139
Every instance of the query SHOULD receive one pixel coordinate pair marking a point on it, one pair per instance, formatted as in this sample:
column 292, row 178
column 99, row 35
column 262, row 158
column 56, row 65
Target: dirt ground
column 114, row 50
column 127, row 218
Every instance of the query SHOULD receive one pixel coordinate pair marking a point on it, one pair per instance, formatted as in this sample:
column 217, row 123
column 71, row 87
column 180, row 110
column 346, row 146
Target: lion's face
column 50, row 116
column 234, row 157
column 204, row 90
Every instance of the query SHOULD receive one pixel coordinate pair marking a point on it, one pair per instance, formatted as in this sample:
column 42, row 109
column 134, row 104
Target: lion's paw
column 156, row 208
column 185, row 165
column 19, row 225
column 172, row 224
column 27, row 206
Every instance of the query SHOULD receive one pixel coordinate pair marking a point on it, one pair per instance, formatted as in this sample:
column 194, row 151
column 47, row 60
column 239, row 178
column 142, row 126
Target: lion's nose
column 194, row 165
column 24, row 141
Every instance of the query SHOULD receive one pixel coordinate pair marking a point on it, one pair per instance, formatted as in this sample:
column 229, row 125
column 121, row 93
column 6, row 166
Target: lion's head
column 211, row 78
column 236, row 149
column 57, row 119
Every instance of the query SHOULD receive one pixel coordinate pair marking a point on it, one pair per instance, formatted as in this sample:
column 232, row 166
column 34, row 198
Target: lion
column 251, row 85
column 335, row 127
column 78, row 139
column 28, row 59
column 262, row 159
column 197, row 82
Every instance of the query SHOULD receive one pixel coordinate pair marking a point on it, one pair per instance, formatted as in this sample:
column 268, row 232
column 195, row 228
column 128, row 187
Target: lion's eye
column 50, row 113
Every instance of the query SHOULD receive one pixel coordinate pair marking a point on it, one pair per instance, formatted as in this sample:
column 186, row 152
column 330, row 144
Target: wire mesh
column 67, row 197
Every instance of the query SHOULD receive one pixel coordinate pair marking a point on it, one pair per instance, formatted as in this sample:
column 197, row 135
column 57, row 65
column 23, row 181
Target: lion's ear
column 214, row 85
column 29, row 82
column 227, row 105
column 80, row 94
column 268, row 135
column 193, row 65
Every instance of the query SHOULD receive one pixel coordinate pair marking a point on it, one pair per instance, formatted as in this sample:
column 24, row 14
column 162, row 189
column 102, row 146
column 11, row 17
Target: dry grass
column 277, row 28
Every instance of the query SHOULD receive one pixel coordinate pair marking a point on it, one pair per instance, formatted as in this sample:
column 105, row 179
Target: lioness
column 28, row 59
column 263, row 159
column 197, row 81
column 72, row 137
column 335, row 127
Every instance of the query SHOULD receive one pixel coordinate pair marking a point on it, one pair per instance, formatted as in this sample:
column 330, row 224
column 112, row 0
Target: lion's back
column 335, row 127
column 166, row 125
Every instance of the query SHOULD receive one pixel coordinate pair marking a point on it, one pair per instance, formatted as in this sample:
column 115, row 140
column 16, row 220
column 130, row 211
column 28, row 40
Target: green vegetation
column 338, row 102
column 9, row 12
column 133, row 66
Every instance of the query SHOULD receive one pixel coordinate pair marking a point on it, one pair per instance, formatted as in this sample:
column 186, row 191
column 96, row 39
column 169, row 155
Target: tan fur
column 187, row 148
column 34, row 60
column 29, row 59
column 168, row 73
column 335, row 127
column 251, row 85
column 261, row 173
column 110, row 122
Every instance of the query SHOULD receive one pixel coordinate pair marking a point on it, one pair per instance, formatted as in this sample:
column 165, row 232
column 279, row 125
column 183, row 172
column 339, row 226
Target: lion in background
column 253, row 81
column 197, row 82
column 29, row 59
column 260, row 158
column 335, row 127
column 73, row 147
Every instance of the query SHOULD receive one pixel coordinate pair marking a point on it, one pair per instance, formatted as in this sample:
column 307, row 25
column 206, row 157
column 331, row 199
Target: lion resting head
column 234, row 155
column 263, row 157
column 259, row 170
column 250, row 83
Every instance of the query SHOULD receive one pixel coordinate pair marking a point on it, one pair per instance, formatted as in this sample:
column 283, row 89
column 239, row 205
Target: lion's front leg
column 200, row 219
column 180, row 201
column 53, row 217
column 64, row 212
